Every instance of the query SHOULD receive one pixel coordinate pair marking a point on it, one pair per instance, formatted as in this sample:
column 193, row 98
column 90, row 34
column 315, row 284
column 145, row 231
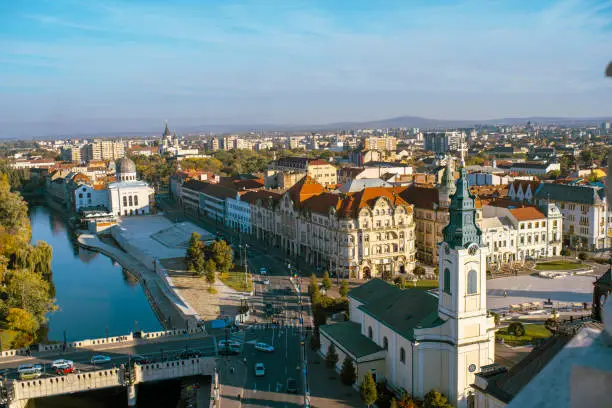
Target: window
column 522, row 226
column 447, row 284
column 135, row 200
column 81, row 195
column 366, row 238
column 385, row 343
column 472, row 282
column 131, row 203
column 402, row 355
column 125, row 202
column 537, row 225
column 370, row 335
column 88, row 195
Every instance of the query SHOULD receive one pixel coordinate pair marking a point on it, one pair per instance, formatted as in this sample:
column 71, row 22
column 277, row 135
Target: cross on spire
column 463, row 150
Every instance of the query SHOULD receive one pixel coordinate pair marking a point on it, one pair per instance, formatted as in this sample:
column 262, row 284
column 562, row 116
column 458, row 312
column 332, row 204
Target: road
column 153, row 351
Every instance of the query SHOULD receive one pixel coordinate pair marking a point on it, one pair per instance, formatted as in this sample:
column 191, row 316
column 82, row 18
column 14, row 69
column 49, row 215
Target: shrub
column 400, row 281
column 565, row 252
column 326, row 282
column 496, row 318
column 344, row 288
column 419, row 270
column 331, row 358
column 433, row 399
column 516, row 329
column 348, row 375
column 367, row 390
column 583, row 256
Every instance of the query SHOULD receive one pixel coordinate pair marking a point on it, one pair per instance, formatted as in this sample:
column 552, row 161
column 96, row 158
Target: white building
column 418, row 341
column 129, row 196
column 238, row 213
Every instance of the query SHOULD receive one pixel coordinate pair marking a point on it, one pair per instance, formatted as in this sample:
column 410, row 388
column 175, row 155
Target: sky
column 72, row 66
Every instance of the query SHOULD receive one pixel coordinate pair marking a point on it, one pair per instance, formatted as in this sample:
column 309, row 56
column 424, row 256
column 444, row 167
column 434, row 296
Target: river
column 93, row 293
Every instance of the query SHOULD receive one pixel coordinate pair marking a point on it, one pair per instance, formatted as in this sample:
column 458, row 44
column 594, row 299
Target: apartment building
column 318, row 169
column 387, row 143
column 103, row 150
column 585, row 213
column 362, row 234
column 443, row 142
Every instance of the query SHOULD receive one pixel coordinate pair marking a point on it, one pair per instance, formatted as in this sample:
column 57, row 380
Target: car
column 141, row 359
column 263, row 271
column 61, row 362
column 100, row 359
column 264, row 347
column 63, row 369
column 291, row 386
column 229, row 343
column 189, row 354
column 260, row 370
column 266, row 281
column 29, row 371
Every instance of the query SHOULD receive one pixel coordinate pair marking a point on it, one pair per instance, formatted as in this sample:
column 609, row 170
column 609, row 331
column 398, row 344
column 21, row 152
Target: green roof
column 348, row 336
column 573, row 194
column 372, row 290
column 405, row 310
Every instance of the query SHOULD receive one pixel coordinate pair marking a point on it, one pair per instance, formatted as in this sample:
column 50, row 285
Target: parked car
column 266, row 281
column 264, row 347
column 189, row 354
column 141, row 359
column 63, row 369
column 291, row 386
column 260, row 370
column 232, row 343
column 100, row 359
column 29, row 371
column 263, row 271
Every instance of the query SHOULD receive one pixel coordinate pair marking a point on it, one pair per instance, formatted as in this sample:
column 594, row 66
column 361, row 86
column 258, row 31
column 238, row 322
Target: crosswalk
column 265, row 326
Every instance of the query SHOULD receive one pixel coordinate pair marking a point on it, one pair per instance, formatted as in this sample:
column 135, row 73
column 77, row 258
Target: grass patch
column 235, row 280
column 7, row 337
column 557, row 266
column 533, row 333
column 424, row 284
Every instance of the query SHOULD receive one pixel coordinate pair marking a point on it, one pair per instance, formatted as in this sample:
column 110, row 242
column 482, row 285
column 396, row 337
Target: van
column 29, row 371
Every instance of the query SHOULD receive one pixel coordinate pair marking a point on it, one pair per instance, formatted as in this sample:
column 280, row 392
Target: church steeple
column 462, row 228
column 167, row 131
column 447, row 186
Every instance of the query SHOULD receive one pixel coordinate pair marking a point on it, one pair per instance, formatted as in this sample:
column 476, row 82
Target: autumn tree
column 21, row 320
column 313, row 288
column 367, row 390
column 194, row 258
column 434, row 399
column 326, row 282
column 344, row 288
column 29, row 291
column 210, row 271
column 222, row 254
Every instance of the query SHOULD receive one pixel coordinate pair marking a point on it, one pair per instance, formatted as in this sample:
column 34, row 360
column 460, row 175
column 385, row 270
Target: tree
column 367, row 390
column 348, row 375
column 553, row 174
column 565, row 252
column 194, row 258
column 433, row 399
column 516, row 329
column 419, row 270
column 386, row 275
column 393, row 403
column 406, row 402
column 29, row 291
column 326, row 282
column 313, row 288
column 222, row 254
column 331, row 358
column 209, row 271
column 21, row 320
column 583, row 256
column 344, row 288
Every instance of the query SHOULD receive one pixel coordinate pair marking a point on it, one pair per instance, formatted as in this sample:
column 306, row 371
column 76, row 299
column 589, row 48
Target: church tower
column 462, row 302
column 447, row 186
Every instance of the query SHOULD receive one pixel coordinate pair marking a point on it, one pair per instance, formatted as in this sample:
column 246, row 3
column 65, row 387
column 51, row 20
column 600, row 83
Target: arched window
column 447, row 283
column 366, row 238
column 370, row 335
column 385, row 343
column 135, row 200
column 125, row 201
column 472, row 282
column 401, row 234
column 403, row 355
column 131, row 202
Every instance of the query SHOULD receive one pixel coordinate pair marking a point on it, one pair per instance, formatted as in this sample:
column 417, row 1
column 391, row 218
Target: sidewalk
column 231, row 384
column 326, row 389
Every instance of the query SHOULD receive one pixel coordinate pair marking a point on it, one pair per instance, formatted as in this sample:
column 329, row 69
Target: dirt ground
column 194, row 290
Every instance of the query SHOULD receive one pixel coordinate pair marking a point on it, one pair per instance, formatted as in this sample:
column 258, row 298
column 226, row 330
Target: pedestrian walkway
column 232, row 375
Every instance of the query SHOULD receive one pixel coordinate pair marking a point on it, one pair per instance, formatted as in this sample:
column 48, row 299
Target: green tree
column 419, row 270
column 553, row 174
column 194, row 258
column 433, row 399
column 313, row 288
column 367, row 390
column 348, row 375
column 344, row 288
column 516, row 329
column 222, row 254
column 331, row 358
column 21, row 320
column 210, row 271
column 583, row 256
column 326, row 282
column 29, row 291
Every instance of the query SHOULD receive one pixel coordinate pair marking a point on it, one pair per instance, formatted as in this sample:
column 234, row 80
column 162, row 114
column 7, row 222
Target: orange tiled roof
column 526, row 213
column 304, row 189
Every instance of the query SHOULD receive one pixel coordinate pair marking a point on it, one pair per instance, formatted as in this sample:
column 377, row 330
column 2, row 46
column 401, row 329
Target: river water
column 95, row 295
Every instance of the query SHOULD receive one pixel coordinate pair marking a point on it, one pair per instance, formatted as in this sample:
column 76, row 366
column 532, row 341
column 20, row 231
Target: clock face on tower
column 472, row 249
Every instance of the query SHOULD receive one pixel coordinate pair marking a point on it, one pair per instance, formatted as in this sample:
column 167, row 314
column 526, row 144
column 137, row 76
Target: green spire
column 462, row 229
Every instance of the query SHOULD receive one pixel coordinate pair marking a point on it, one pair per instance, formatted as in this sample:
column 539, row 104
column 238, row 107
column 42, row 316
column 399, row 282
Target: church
column 418, row 341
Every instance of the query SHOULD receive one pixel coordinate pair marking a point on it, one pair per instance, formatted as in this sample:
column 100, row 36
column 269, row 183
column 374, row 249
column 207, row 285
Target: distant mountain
column 142, row 127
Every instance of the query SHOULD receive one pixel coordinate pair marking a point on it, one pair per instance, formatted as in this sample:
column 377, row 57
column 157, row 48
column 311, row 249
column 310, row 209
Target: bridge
column 169, row 355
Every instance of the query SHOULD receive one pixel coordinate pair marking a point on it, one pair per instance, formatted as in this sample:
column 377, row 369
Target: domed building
column 125, row 170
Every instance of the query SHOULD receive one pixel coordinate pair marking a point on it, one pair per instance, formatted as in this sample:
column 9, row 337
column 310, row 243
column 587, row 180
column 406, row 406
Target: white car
column 263, row 271
column 266, row 281
column 264, row 347
column 232, row 343
column 100, row 359
column 260, row 370
column 62, row 363
column 29, row 371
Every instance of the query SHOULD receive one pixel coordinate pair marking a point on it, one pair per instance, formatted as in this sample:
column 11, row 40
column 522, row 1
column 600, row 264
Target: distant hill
column 142, row 127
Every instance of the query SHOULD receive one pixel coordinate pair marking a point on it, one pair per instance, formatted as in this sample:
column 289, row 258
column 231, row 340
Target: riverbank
column 169, row 310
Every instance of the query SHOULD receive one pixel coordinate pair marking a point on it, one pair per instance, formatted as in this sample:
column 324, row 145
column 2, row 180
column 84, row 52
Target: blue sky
column 91, row 65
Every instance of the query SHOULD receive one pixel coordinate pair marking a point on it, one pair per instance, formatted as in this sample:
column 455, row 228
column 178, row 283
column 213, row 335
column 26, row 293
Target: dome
column 125, row 165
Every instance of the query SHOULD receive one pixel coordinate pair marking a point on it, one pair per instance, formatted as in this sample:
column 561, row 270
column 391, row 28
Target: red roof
column 526, row 213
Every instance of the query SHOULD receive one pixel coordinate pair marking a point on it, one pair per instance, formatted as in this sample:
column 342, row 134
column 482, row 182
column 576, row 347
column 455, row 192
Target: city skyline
column 75, row 66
